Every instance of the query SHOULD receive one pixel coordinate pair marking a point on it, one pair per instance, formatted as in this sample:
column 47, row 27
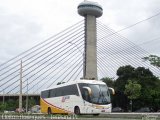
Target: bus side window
column 70, row 90
column 59, row 92
column 75, row 90
column 45, row 94
column 52, row 92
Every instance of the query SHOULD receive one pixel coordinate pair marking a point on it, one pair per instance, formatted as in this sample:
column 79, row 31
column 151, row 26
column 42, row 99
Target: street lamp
column 75, row 45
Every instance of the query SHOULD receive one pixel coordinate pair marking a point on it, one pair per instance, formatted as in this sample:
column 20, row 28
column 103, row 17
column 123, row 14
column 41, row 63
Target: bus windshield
column 99, row 93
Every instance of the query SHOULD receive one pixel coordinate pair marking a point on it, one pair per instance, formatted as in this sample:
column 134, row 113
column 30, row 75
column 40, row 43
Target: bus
column 77, row 97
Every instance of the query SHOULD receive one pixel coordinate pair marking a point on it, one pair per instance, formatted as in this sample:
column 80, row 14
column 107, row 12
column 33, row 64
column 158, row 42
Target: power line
column 132, row 47
column 135, row 24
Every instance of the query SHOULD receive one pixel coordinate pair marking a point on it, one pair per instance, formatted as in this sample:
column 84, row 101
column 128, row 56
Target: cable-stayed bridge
column 60, row 59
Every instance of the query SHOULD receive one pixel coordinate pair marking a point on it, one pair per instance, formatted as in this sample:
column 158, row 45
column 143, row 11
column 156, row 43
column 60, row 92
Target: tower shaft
column 90, row 64
column 91, row 11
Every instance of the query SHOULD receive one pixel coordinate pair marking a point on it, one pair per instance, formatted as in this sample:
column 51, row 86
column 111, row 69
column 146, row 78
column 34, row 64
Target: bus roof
column 75, row 82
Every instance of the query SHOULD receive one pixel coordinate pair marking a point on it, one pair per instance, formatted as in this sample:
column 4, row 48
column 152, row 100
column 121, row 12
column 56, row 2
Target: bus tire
column 49, row 111
column 77, row 110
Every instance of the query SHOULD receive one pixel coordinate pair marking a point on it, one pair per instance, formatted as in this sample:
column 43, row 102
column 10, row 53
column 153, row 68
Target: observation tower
column 90, row 11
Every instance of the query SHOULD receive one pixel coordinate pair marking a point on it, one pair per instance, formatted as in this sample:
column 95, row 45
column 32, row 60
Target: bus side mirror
column 111, row 90
column 89, row 90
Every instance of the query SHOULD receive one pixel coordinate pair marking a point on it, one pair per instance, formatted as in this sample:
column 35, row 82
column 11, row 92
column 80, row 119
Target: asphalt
column 109, row 116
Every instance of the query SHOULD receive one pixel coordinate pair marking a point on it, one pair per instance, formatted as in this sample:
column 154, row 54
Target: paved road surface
column 109, row 116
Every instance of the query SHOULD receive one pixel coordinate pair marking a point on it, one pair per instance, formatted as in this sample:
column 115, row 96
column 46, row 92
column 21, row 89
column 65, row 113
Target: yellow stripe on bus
column 54, row 109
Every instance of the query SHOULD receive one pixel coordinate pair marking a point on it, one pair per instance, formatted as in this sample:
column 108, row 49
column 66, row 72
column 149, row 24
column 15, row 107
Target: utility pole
column 3, row 96
column 20, row 94
column 27, row 98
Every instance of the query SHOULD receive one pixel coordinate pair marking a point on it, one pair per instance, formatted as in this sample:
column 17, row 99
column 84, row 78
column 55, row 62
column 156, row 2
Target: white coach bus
column 77, row 97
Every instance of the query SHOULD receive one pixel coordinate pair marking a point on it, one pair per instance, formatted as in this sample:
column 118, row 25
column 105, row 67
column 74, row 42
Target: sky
column 25, row 23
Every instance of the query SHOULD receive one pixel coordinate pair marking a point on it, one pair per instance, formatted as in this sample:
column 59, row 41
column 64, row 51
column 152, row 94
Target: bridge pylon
column 91, row 11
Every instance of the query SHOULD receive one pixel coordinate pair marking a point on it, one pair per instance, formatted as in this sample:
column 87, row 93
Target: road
column 109, row 116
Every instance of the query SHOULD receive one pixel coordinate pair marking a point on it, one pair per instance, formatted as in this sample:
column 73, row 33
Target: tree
column 124, row 74
column 2, row 106
column 150, row 92
column 109, row 81
column 11, row 104
column 154, row 60
column 132, row 90
column 31, row 102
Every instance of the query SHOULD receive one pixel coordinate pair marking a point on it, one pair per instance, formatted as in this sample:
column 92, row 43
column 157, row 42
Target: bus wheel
column 77, row 110
column 49, row 111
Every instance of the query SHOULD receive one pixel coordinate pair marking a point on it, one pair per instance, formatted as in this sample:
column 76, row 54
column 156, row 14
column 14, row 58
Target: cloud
column 24, row 23
column 27, row 23
column 17, row 34
column 121, row 14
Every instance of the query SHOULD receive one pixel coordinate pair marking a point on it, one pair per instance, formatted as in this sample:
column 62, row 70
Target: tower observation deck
column 91, row 11
column 90, row 8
